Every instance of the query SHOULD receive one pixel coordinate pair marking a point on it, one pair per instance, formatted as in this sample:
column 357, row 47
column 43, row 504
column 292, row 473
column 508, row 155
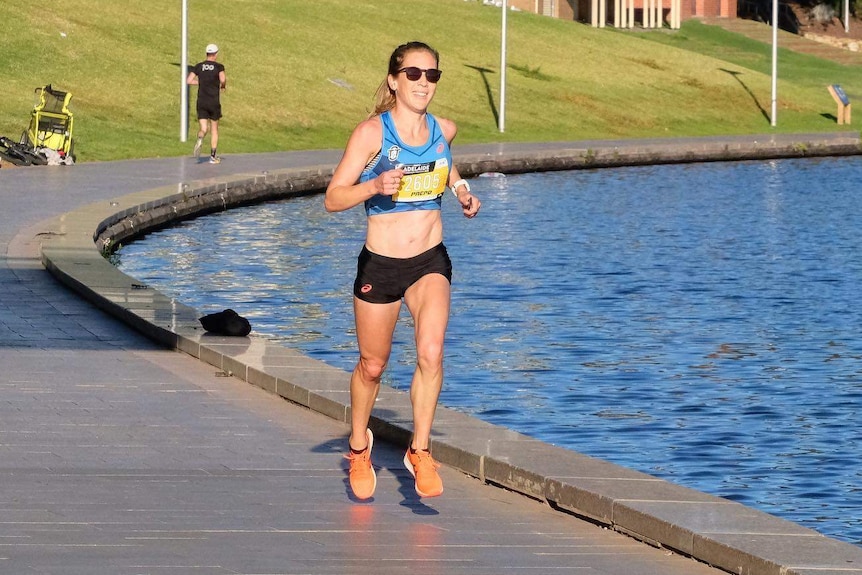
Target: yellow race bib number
column 425, row 181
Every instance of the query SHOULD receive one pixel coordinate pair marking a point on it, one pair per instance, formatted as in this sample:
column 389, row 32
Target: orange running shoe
column 363, row 480
column 422, row 466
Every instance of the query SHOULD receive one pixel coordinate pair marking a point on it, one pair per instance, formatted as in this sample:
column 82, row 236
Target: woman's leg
column 428, row 302
column 375, row 324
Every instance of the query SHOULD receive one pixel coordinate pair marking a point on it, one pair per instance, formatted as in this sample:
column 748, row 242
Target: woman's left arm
column 469, row 203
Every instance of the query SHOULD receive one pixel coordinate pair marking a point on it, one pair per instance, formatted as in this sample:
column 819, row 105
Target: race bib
column 424, row 181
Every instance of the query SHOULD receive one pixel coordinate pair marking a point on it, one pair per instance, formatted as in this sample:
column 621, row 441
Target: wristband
column 464, row 183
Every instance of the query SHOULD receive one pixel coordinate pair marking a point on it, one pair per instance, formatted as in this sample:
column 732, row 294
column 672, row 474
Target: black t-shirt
column 208, row 79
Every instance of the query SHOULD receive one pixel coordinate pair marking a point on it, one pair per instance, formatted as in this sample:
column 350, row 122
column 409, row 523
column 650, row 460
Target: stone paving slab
column 127, row 458
column 179, row 438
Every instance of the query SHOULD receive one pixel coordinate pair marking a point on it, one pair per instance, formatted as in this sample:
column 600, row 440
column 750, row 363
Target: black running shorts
column 209, row 110
column 380, row 279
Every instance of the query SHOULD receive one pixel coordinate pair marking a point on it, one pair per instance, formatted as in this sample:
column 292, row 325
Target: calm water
column 700, row 323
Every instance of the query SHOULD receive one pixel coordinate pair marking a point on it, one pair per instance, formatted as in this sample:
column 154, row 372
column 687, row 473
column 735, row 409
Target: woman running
column 398, row 164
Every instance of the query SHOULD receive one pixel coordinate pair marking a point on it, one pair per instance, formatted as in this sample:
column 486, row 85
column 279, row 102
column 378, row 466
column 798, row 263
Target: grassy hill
column 301, row 74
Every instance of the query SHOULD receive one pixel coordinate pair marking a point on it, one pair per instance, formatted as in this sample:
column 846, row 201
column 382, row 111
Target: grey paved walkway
column 118, row 456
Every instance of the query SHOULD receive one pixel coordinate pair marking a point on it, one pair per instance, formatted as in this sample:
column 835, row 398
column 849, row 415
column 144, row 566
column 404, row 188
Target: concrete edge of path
column 716, row 531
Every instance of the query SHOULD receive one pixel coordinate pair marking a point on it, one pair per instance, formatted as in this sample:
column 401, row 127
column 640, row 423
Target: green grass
column 301, row 74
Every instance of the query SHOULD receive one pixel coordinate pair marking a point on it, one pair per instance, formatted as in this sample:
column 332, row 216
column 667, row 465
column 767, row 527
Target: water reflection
column 696, row 322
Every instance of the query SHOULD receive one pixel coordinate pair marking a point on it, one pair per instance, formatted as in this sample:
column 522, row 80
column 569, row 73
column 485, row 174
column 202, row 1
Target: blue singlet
column 426, row 170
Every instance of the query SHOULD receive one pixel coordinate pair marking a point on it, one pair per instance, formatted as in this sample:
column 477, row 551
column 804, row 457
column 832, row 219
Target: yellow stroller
column 51, row 122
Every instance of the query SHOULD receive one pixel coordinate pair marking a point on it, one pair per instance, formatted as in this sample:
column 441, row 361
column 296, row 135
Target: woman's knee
column 371, row 369
column 430, row 355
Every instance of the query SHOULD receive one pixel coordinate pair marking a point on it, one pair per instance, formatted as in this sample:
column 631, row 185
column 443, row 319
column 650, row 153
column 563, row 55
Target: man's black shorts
column 209, row 110
column 380, row 279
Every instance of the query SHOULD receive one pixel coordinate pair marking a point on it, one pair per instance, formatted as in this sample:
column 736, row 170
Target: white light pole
column 502, row 118
column 774, row 60
column 184, row 70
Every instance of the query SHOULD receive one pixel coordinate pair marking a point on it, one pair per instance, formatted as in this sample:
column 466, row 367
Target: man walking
column 210, row 79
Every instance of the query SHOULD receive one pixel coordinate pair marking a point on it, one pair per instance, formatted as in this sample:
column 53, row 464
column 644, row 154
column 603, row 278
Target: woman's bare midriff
column 405, row 234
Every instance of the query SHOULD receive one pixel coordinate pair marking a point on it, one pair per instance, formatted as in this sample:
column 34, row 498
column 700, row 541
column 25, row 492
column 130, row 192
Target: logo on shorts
column 366, row 288
column 392, row 153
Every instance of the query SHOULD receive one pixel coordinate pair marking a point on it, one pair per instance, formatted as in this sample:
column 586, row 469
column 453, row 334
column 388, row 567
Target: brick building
column 583, row 10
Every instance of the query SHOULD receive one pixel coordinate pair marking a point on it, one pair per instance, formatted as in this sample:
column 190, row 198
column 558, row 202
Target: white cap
column 212, row 49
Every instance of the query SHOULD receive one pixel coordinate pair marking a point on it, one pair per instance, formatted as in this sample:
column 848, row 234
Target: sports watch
column 464, row 183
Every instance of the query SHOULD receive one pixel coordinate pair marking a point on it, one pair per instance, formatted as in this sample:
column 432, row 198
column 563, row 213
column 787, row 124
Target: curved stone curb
column 603, row 154
column 716, row 531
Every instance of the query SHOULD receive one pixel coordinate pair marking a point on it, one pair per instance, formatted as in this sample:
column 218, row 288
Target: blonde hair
column 384, row 98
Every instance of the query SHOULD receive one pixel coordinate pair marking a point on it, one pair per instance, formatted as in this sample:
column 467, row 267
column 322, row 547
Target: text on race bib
column 424, row 181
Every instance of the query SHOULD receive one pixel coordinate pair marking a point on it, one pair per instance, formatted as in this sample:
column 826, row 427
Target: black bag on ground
column 226, row 322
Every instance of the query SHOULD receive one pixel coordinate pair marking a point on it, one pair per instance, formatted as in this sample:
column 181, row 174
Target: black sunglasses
column 413, row 73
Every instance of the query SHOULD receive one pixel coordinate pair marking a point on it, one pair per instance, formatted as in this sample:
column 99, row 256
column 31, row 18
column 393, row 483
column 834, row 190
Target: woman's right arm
column 343, row 191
